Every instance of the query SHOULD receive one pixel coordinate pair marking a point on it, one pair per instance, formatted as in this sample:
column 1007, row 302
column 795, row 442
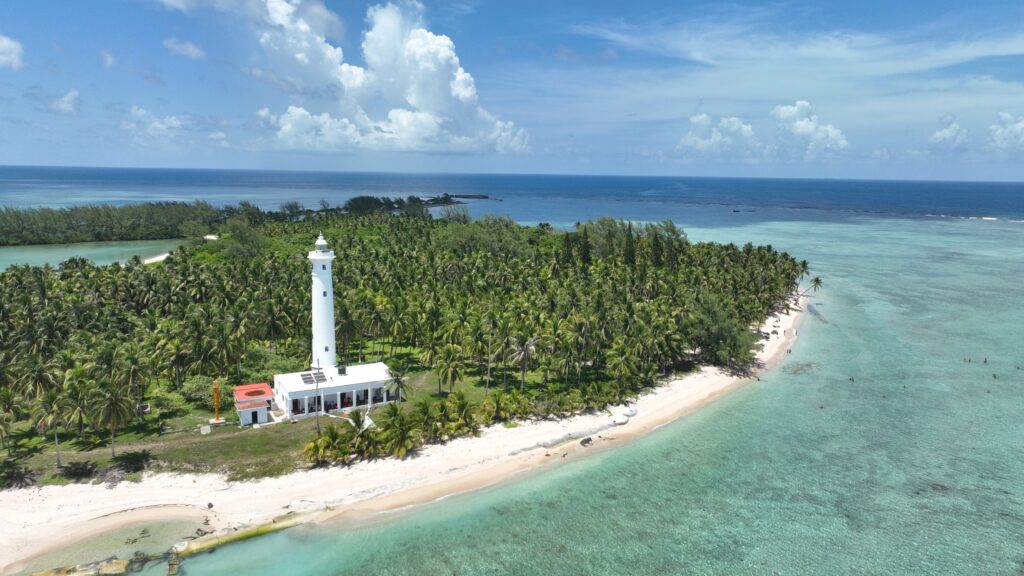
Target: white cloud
column 183, row 5
column 814, row 136
column 1008, row 134
column 412, row 93
column 10, row 53
column 108, row 59
column 147, row 127
column 183, row 48
column 730, row 137
column 754, row 41
column 66, row 104
column 951, row 137
column 220, row 138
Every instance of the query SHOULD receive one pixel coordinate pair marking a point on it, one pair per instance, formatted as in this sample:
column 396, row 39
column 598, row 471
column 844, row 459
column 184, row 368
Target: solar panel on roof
column 319, row 377
column 307, row 378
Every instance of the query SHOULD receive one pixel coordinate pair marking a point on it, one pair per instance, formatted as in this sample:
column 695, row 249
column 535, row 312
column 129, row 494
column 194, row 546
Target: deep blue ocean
column 46, row 186
column 874, row 448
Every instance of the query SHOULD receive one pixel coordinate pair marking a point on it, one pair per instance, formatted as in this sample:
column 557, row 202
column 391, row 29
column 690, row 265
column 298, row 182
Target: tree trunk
column 504, row 371
column 112, row 454
column 487, row 383
column 56, row 441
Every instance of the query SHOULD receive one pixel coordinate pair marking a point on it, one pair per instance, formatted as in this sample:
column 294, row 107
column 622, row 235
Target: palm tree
column 50, row 413
column 397, row 371
column 330, row 446
column 523, row 348
column 400, row 432
column 364, row 440
column 10, row 407
column 78, row 391
column 6, row 426
column 112, row 408
column 459, row 414
column 449, row 366
column 429, row 419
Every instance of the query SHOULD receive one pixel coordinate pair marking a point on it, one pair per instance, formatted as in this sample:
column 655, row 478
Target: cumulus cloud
column 108, row 59
column 802, row 125
column 219, row 138
column 183, row 48
column 66, row 104
column 147, row 127
column 10, row 53
column 412, row 93
column 951, row 137
column 1008, row 134
column 730, row 136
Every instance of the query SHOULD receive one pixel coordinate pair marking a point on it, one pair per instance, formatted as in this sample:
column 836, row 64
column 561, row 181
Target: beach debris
column 586, row 441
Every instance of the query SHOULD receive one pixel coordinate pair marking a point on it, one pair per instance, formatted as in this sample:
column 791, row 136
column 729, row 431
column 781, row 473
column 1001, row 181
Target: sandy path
column 32, row 516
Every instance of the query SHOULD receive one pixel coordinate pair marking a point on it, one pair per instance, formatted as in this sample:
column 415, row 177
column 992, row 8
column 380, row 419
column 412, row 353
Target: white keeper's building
column 325, row 387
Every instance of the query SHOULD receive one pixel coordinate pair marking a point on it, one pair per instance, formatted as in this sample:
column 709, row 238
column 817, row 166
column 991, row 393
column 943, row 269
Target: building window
column 327, row 348
column 325, row 293
column 324, row 267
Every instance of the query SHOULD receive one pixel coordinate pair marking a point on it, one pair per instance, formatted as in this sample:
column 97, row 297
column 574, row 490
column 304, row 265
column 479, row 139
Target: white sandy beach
column 157, row 258
column 36, row 520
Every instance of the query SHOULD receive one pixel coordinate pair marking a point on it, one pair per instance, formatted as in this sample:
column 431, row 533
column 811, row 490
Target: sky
column 868, row 89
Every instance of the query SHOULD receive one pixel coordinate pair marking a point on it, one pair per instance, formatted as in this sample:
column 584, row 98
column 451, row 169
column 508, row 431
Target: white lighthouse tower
column 327, row 387
column 324, row 351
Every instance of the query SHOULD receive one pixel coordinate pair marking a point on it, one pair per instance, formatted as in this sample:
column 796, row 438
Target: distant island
column 168, row 220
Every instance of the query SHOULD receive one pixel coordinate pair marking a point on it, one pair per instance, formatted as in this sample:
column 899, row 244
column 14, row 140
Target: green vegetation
column 481, row 321
column 150, row 221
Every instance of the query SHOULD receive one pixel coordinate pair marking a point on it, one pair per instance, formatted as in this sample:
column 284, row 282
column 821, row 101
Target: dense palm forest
column 512, row 321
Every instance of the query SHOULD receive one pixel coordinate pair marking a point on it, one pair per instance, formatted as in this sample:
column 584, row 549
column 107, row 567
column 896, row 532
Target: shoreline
column 365, row 490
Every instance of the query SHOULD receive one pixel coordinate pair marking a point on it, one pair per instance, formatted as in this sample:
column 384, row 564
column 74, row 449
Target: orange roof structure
column 261, row 391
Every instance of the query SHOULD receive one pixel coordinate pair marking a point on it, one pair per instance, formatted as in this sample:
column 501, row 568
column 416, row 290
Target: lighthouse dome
column 321, row 244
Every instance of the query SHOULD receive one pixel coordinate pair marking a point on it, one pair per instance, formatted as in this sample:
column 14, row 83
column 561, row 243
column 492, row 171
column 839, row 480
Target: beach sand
column 157, row 258
column 34, row 516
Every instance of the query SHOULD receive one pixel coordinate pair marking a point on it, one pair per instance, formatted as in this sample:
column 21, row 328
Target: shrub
column 168, row 403
column 198, row 390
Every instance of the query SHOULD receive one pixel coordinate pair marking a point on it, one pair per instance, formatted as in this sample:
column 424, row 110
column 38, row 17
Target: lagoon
column 100, row 253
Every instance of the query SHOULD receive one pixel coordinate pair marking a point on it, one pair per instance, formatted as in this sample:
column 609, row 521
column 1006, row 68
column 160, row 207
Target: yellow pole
column 216, row 400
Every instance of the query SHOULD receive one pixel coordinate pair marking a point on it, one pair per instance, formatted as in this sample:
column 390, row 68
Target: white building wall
column 245, row 416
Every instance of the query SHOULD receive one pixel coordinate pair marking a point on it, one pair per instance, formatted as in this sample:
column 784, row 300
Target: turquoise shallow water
column 874, row 448
column 98, row 252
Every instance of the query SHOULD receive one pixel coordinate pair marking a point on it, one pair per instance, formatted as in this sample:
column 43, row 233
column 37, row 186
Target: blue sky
column 866, row 89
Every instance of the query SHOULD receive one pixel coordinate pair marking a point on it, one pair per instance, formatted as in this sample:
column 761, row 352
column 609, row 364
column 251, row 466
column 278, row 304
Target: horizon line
column 523, row 174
